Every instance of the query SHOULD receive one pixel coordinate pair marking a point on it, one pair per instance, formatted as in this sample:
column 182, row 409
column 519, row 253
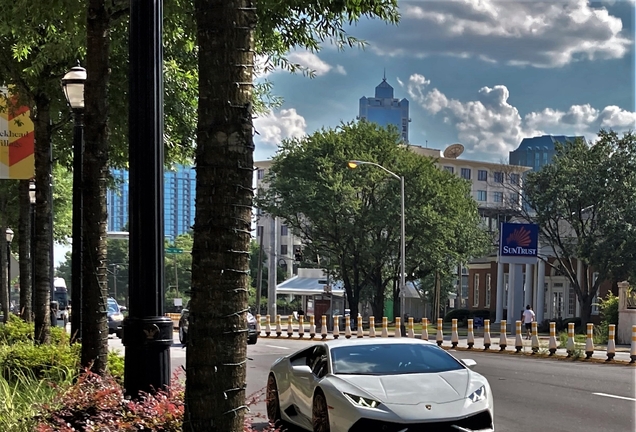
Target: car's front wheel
column 320, row 413
column 251, row 340
column 183, row 335
column 272, row 401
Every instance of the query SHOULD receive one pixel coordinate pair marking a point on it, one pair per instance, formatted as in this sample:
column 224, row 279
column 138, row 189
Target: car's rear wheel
column 272, row 401
column 183, row 335
column 320, row 413
column 251, row 340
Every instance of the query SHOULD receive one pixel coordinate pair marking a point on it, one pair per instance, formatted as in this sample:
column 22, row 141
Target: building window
column 499, row 177
column 283, row 250
column 482, row 195
column 283, row 230
column 514, row 198
column 260, row 174
column 498, row 197
column 259, row 212
column 571, row 302
column 514, row 179
column 476, row 290
column 482, row 175
column 488, row 291
column 465, row 173
column 450, row 169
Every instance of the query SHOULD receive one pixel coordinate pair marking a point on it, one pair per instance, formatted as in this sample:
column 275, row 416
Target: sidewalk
column 600, row 351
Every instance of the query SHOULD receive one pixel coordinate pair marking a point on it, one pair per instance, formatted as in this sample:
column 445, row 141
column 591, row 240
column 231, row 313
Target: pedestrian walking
column 528, row 318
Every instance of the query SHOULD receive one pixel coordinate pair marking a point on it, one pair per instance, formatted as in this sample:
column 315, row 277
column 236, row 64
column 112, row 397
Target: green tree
column 583, row 203
column 178, row 270
column 352, row 217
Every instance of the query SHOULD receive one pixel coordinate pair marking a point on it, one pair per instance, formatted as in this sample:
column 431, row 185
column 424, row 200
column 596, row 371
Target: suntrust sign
column 518, row 243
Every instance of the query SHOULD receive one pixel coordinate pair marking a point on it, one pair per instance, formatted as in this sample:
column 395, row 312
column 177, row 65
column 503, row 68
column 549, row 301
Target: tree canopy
column 584, row 204
column 353, row 216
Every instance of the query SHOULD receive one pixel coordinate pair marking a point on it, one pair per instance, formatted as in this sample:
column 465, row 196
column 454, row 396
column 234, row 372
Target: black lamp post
column 29, row 317
column 73, row 85
column 9, row 234
column 147, row 334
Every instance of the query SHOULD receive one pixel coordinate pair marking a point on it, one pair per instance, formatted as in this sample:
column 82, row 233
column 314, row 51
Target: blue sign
column 519, row 240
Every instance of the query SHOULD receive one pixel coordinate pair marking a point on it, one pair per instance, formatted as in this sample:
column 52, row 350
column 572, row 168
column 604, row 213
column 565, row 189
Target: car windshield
column 113, row 307
column 391, row 359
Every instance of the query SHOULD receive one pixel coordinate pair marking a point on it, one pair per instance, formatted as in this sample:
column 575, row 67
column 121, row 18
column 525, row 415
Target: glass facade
column 385, row 110
column 179, row 194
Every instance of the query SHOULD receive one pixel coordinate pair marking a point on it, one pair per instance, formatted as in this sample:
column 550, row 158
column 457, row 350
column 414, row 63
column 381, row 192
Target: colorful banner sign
column 518, row 243
column 16, row 139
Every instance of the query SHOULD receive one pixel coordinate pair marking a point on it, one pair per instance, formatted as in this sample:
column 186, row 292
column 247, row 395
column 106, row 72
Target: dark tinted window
column 391, row 359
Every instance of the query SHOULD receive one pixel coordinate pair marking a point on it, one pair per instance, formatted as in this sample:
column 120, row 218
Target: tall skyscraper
column 538, row 151
column 179, row 194
column 384, row 109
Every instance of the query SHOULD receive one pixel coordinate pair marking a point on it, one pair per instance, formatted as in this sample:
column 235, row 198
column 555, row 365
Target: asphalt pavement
column 530, row 393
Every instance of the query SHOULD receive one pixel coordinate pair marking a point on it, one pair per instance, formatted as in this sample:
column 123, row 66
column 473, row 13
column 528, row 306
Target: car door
column 318, row 363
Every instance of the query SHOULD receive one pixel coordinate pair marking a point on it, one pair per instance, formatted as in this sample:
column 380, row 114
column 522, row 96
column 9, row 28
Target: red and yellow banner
column 16, row 139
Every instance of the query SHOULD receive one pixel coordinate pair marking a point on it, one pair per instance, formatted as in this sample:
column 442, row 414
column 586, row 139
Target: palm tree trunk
column 94, row 276
column 217, row 337
column 24, row 251
column 43, row 227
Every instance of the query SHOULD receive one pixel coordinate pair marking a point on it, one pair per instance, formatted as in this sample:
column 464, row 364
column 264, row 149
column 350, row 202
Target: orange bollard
column 371, row 326
column 570, row 345
column 425, row 329
column 503, row 338
column 336, row 326
column 268, row 325
column 301, row 326
column 589, row 341
column 279, row 329
column 385, row 327
column 411, row 332
column 323, row 327
column 312, row 327
column 348, row 327
column 470, row 337
column 611, row 343
column 487, row 341
column 632, row 352
column 518, row 336
column 552, row 344
column 454, row 334
column 439, row 338
column 258, row 324
column 360, row 330
column 398, row 327
column 535, row 337
column 290, row 327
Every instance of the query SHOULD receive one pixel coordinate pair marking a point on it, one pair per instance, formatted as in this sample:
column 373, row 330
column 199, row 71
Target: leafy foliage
column 353, row 216
column 583, row 203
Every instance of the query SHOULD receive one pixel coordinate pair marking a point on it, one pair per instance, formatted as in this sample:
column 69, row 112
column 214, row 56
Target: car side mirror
column 122, row 308
column 301, row 370
column 469, row 363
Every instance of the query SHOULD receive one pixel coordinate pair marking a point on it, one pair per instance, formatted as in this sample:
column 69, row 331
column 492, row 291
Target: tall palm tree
column 217, row 338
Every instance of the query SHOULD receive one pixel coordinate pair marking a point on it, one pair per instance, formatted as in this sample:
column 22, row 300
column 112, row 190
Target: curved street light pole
column 353, row 164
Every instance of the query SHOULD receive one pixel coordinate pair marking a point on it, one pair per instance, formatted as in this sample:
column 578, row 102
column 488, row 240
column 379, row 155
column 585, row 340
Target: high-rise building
column 385, row 110
column 179, row 194
column 538, row 151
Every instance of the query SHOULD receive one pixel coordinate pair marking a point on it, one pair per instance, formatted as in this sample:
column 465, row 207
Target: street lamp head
column 9, row 234
column 353, row 164
column 32, row 192
column 73, row 85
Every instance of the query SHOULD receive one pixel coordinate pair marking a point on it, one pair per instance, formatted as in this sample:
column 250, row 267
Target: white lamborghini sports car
column 378, row 385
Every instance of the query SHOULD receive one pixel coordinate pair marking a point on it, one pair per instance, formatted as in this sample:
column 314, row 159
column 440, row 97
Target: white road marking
column 615, row 396
column 276, row 346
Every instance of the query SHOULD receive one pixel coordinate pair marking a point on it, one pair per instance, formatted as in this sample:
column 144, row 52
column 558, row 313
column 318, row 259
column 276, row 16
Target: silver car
column 389, row 385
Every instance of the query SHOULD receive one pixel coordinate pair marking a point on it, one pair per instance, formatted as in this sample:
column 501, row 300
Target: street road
column 530, row 393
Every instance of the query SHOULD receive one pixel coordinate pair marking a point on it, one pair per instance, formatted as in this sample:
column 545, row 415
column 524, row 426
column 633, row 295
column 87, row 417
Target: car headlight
column 117, row 317
column 362, row 401
column 478, row 395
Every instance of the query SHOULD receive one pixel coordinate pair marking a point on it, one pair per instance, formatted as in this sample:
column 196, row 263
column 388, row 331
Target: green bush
column 609, row 313
column 52, row 362
column 17, row 330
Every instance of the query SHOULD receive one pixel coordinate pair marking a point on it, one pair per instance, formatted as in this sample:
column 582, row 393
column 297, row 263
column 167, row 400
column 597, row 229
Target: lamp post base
column 147, row 360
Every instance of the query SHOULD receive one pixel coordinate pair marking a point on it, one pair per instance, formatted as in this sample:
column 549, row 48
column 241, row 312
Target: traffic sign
column 174, row 250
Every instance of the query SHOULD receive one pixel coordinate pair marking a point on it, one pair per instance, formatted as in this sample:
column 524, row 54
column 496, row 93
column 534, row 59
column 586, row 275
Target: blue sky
column 484, row 73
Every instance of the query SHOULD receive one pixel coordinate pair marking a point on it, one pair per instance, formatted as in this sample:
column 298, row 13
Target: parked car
column 115, row 317
column 252, row 334
column 378, row 385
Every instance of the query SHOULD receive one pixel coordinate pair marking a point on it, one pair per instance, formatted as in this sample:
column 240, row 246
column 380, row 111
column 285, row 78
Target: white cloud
column 515, row 32
column 341, row 70
column 311, row 61
column 276, row 126
column 490, row 124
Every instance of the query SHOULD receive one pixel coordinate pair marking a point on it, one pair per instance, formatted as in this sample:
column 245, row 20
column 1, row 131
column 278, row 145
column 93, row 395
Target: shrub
column 52, row 362
column 609, row 313
column 17, row 330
